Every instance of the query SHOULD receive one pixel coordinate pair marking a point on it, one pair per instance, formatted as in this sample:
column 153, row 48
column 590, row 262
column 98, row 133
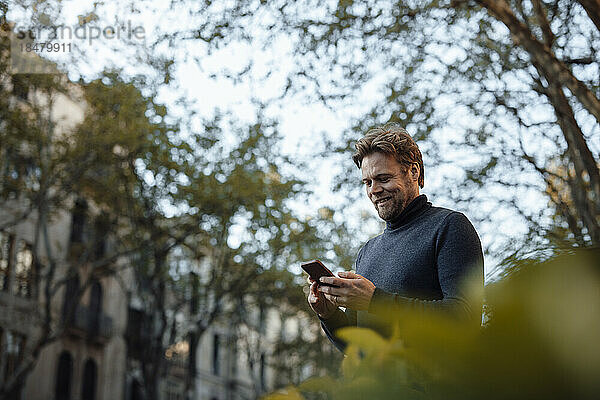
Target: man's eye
column 384, row 180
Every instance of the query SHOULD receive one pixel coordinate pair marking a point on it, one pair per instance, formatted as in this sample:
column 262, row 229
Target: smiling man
column 421, row 259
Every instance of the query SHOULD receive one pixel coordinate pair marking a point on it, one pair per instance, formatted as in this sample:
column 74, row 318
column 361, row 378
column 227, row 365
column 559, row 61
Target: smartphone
column 316, row 270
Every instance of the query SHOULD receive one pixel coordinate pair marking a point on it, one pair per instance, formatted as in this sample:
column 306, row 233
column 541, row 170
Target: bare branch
column 592, row 8
column 552, row 68
column 543, row 22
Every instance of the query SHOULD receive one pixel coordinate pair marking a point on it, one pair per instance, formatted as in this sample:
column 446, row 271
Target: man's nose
column 375, row 188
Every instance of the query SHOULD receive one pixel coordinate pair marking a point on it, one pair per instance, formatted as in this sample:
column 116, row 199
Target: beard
column 391, row 208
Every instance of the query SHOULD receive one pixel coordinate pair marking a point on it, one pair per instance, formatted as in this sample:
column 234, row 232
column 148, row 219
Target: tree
column 30, row 174
column 558, row 77
column 511, row 85
column 132, row 164
column 251, row 234
column 169, row 196
column 215, row 216
column 42, row 176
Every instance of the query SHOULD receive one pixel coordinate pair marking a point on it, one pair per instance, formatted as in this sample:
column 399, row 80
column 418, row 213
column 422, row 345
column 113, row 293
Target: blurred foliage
column 540, row 342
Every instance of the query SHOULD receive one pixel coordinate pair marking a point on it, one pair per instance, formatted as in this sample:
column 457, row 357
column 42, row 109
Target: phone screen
column 316, row 270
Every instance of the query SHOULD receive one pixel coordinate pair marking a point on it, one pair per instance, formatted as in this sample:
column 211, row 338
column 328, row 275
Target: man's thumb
column 348, row 274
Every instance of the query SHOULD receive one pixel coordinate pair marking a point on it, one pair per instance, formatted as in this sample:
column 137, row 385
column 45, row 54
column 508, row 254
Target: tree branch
column 541, row 54
column 592, row 8
column 543, row 22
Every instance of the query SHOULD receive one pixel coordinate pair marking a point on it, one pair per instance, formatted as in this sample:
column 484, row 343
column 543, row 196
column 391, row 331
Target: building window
column 24, row 270
column 173, row 390
column 234, row 358
column 1, row 350
column 71, row 294
column 13, row 349
column 263, row 366
column 216, row 356
column 20, row 86
column 137, row 333
column 101, row 229
column 78, row 221
column 6, row 243
column 90, row 374
column 262, row 315
column 95, row 309
column 64, row 372
column 135, row 390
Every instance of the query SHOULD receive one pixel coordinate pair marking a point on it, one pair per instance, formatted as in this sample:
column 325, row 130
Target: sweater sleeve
column 340, row 319
column 458, row 257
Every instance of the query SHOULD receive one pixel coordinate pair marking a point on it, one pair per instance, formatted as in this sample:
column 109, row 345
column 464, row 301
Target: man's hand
column 318, row 302
column 354, row 291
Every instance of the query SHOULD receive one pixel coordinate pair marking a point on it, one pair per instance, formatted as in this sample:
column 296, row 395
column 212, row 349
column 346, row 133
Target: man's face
column 389, row 188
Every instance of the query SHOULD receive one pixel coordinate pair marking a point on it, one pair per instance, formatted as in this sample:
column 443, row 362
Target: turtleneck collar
column 412, row 210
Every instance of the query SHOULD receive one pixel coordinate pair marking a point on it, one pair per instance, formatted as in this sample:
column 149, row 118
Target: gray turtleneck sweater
column 419, row 261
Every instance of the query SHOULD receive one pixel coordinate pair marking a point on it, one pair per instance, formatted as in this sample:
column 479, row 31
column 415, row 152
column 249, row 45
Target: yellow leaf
column 351, row 362
column 289, row 393
column 366, row 339
column 319, row 384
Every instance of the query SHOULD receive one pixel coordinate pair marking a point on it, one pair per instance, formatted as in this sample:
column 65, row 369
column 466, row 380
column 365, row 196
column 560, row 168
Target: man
column 421, row 259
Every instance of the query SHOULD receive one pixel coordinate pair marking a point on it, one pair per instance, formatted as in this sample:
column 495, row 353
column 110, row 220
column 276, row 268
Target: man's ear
column 414, row 172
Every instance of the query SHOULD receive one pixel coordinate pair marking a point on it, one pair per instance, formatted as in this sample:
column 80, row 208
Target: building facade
column 74, row 333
